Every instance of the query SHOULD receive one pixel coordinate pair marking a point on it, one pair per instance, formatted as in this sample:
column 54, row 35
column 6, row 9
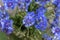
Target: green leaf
column 3, row 36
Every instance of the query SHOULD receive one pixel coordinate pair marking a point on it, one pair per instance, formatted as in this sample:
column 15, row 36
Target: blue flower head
column 9, row 4
column 41, row 23
column 7, row 26
column 29, row 19
column 56, row 30
column 56, row 2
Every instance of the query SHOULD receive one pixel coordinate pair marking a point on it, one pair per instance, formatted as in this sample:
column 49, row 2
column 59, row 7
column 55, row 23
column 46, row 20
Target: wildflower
column 9, row 4
column 56, row 2
column 29, row 19
column 56, row 30
column 41, row 23
column 7, row 26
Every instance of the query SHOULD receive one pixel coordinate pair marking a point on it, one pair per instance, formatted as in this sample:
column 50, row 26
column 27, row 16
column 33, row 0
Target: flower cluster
column 22, row 4
column 37, row 19
column 5, row 23
column 40, row 20
column 11, row 4
column 56, row 21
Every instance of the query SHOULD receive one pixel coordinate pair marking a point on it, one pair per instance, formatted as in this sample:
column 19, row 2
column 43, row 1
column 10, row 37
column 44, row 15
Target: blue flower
column 29, row 19
column 5, row 23
column 56, row 2
column 7, row 26
column 56, row 30
column 41, row 23
column 41, row 20
column 9, row 4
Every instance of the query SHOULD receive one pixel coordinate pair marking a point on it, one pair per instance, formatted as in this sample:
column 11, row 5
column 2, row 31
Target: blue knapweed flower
column 56, row 30
column 29, row 19
column 41, row 23
column 9, row 4
column 7, row 26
